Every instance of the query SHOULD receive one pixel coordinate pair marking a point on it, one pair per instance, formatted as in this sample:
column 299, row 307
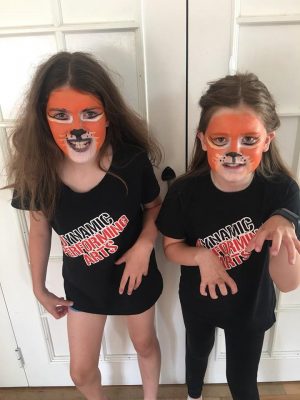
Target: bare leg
column 85, row 332
column 142, row 333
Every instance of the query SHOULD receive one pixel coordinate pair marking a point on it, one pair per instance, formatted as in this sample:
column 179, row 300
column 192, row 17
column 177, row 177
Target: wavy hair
column 34, row 159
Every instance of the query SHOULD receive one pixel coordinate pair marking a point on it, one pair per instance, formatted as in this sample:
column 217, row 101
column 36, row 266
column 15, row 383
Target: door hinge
column 20, row 357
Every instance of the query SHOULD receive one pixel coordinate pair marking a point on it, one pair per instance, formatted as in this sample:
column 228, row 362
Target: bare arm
column 148, row 234
column 137, row 257
column 211, row 270
column 39, row 249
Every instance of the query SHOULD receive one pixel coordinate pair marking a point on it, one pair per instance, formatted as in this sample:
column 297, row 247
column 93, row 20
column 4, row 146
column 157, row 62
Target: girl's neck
column 83, row 177
column 225, row 186
column 83, row 168
column 79, row 168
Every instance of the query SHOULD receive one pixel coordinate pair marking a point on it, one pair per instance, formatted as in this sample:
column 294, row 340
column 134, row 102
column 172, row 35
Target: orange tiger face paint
column 235, row 140
column 77, row 122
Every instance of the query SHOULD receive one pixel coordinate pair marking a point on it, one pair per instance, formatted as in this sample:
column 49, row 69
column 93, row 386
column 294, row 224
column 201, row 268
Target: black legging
column 243, row 351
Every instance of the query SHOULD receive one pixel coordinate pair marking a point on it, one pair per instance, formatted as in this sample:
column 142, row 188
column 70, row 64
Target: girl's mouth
column 79, row 145
column 233, row 165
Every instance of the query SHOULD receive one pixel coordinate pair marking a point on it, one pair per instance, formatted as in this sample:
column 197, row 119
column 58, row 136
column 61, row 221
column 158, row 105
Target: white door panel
column 272, row 51
column 18, row 65
column 99, row 11
column 269, row 7
column 29, row 13
column 118, row 50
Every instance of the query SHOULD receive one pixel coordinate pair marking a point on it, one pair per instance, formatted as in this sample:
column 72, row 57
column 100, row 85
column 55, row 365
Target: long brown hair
column 32, row 168
column 233, row 91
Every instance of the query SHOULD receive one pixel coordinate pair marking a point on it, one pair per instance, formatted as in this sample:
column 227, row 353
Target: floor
column 268, row 391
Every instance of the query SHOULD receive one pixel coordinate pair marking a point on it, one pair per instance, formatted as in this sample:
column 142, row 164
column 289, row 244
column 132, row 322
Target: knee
column 82, row 375
column 145, row 346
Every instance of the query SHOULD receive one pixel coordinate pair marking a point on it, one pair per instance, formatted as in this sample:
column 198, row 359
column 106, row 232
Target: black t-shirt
column 97, row 227
column 196, row 211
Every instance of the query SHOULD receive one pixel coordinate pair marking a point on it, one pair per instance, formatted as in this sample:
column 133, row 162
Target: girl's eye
column 249, row 140
column 60, row 116
column 219, row 140
column 90, row 114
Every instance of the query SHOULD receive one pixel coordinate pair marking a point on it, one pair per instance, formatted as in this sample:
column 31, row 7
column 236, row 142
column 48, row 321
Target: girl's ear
column 269, row 138
column 201, row 137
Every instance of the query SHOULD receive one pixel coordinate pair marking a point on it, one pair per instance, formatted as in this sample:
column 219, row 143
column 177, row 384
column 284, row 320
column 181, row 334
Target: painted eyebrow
column 93, row 108
column 85, row 109
column 228, row 134
column 58, row 109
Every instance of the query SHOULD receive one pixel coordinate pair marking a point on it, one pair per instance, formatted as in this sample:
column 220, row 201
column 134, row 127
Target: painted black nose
column 233, row 154
column 77, row 133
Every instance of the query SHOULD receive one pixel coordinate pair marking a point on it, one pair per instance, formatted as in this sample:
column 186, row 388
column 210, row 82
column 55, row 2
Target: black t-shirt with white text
column 97, row 227
column 196, row 211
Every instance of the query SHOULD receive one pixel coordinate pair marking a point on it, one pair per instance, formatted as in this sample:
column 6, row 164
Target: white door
column 263, row 37
column 143, row 44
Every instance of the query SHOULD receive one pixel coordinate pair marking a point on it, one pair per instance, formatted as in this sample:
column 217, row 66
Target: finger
column 231, row 284
column 63, row 302
column 55, row 314
column 212, row 291
column 297, row 245
column 259, row 239
column 63, row 314
column 251, row 245
column 276, row 243
column 62, row 310
column 131, row 285
column 137, row 282
column 291, row 250
column 120, row 260
column 223, row 289
column 203, row 289
column 123, row 283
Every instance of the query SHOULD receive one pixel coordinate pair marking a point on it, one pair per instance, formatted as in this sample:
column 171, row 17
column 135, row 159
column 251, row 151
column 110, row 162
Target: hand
column 56, row 306
column 137, row 262
column 214, row 274
column 280, row 231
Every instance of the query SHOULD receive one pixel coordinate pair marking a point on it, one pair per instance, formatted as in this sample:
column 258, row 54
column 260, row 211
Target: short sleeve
column 150, row 186
column 17, row 203
column 170, row 219
column 290, row 197
column 293, row 198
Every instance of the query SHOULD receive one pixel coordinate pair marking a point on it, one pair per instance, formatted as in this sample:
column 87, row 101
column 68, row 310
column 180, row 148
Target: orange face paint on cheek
column 76, row 119
column 60, row 134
